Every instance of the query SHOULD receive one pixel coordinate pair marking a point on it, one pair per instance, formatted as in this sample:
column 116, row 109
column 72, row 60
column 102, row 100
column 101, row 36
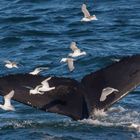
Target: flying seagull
column 38, row 70
column 77, row 99
column 107, row 91
column 35, row 90
column 10, row 64
column 87, row 17
column 76, row 51
column 7, row 102
column 70, row 62
column 45, row 85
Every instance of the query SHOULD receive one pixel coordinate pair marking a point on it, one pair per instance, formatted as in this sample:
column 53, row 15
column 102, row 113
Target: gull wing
column 70, row 64
column 107, row 91
column 8, row 61
column 123, row 76
column 39, row 69
column 44, row 82
column 38, row 86
column 35, row 71
column 73, row 46
column 85, row 11
column 7, row 98
column 44, row 68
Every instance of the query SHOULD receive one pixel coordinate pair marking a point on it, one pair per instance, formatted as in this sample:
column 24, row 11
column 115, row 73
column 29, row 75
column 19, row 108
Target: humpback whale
column 76, row 99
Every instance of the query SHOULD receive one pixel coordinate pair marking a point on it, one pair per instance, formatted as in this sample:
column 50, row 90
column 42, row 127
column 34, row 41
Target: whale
column 76, row 99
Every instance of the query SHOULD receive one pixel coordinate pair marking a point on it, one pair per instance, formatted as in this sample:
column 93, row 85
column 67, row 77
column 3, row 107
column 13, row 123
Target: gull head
column 93, row 17
column 15, row 65
column 83, row 53
column 63, row 60
column 71, row 54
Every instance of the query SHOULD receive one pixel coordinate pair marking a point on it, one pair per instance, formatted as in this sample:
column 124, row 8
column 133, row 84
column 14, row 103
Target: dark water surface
column 38, row 33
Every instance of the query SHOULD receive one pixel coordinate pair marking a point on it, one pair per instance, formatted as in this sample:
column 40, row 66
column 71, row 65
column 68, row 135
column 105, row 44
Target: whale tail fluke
column 67, row 97
column 77, row 100
column 123, row 76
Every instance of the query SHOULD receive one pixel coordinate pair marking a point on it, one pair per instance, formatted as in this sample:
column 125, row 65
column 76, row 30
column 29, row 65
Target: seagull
column 107, row 91
column 45, row 85
column 35, row 90
column 7, row 102
column 10, row 64
column 76, row 51
column 87, row 17
column 38, row 70
column 69, row 61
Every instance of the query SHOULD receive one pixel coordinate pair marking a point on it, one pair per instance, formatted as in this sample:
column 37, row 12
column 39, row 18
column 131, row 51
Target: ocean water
column 38, row 33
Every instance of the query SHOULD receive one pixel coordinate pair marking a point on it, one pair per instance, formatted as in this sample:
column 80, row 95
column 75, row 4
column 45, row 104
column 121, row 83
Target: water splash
column 117, row 117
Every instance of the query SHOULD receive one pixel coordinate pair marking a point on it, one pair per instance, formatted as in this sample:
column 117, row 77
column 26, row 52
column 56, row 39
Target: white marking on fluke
column 76, row 51
column 87, row 17
column 38, row 70
column 70, row 63
column 7, row 102
column 45, row 85
column 107, row 91
column 10, row 64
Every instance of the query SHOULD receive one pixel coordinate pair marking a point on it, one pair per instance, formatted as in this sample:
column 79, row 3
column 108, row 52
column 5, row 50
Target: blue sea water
column 38, row 33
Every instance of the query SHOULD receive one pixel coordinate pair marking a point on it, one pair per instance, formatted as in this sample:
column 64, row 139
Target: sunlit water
column 38, row 33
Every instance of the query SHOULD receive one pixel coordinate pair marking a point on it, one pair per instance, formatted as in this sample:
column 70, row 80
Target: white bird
column 45, row 85
column 76, row 51
column 10, row 64
column 7, row 102
column 107, row 91
column 87, row 17
column 70, row 63
column 35, row 90
column 38, row 70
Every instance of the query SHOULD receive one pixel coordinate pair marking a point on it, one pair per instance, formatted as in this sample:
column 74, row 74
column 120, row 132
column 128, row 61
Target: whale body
column 72, row 98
